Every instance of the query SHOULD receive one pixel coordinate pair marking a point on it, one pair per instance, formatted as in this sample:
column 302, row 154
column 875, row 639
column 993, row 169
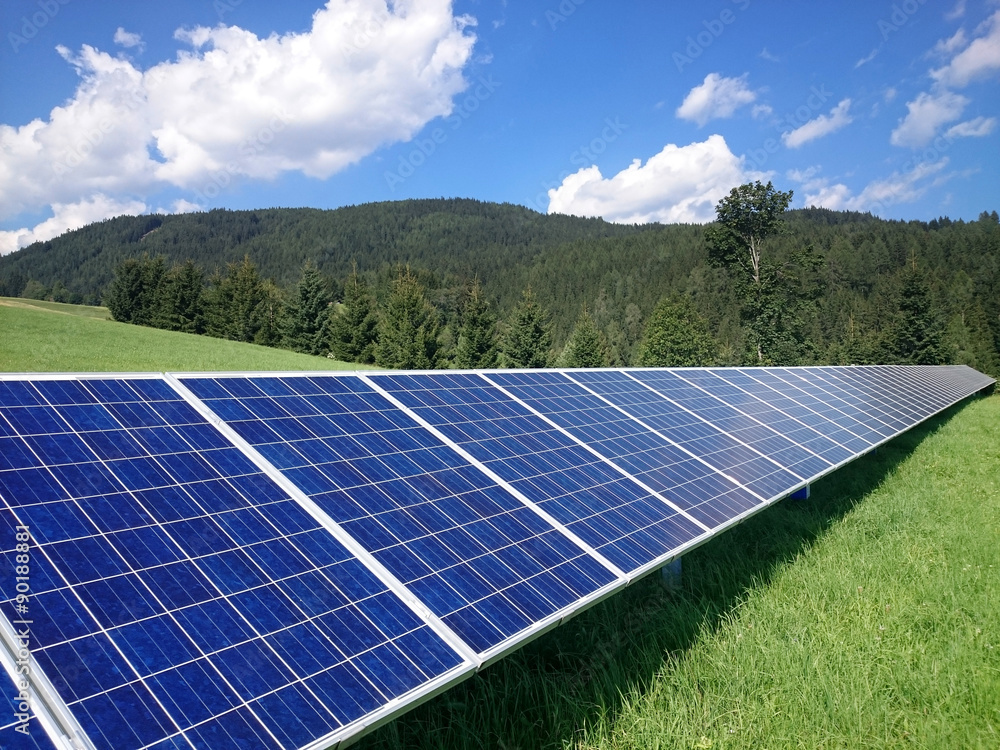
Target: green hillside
column 616, row 273
column 72, row 338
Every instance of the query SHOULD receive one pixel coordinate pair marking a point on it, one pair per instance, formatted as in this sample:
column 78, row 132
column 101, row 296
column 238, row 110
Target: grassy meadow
column 54, row 337
column 865, row 617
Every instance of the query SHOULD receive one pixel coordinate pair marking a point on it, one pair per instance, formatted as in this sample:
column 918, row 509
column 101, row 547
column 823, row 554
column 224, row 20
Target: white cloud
column 128, row 39
column 716, row 97
column 69, row 216
column 957, row 12
column 926, row 114
column 838, row 118
column 236, row 106
column 980, row 59
column 770, row 57
column 975, row 128
column 899, row 187
column 866, row 59
column 948, row 47
column 681, row 184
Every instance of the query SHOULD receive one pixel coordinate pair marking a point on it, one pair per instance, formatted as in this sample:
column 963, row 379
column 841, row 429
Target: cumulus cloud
column 128, row 39
column 980, row 59
column 715, row 98
column 838, row 118
column 681, row 184
column 900, row 187
column 975, row 128
column 925, row 115
column 69, row 216
column 235, row 106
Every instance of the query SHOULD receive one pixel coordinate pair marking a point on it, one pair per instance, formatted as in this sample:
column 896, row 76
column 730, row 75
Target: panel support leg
column 671, row 574
column 801, row 494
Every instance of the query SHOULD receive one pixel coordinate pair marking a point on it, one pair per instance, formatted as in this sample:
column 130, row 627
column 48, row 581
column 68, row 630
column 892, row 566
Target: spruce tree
column 477, row 341
column 134, row 293
column 407, row 328
column 237, row 302
column 918, row 338
column 181, row 299
column 527, row 338
column 353, row 327
column 586, row 346
column 307, row 312
column 676, row 336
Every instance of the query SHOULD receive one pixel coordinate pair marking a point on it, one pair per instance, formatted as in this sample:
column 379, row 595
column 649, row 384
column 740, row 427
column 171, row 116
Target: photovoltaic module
column 286, row 560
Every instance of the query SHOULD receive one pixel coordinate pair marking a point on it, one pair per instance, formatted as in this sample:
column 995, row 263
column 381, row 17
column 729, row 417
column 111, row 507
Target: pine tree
column 676, row 336
column 307, row 312
column 477, row 341
column 527, row 338
column 918, row 338
column 181, row 299
column 237, row 302
column 134, row 291
column 586, row 346
column 407, row 328
column 353, row 327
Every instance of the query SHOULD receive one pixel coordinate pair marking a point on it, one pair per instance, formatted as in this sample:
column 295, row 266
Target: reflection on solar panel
column 238, row 560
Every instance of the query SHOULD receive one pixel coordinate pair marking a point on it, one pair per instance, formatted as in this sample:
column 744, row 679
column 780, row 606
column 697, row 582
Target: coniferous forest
column 463, row 283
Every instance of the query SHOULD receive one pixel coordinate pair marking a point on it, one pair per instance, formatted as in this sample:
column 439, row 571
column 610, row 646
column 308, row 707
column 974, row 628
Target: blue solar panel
column 162, row 557
column 684, row 479
column 337, row 547
column 624, row 522
column 484, row 562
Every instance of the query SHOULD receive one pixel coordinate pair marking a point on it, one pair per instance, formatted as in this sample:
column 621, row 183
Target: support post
column 801, row 494
column 671, row 574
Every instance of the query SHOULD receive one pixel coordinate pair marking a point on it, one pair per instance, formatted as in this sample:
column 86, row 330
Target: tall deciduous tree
column 586, row 346
column 307, row 312
column 676, row 336
column 353, row 327
column 477, row 339
column 771, row 296
column 407, row 328
column 527, row 338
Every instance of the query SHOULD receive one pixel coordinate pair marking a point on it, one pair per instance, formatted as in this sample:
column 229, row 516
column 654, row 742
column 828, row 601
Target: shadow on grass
column 575, row 675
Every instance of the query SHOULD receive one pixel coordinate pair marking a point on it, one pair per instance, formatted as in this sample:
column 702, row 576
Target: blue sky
column 635, row 111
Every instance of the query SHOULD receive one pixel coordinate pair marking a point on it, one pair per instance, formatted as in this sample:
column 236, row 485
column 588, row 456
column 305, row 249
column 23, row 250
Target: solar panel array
column 285, row 560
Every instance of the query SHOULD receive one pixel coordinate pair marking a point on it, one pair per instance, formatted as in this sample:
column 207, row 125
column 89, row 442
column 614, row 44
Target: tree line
column 823, row 287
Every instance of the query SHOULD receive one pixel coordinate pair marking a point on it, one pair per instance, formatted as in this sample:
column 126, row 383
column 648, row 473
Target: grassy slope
column 865, row 617
column 35, row 337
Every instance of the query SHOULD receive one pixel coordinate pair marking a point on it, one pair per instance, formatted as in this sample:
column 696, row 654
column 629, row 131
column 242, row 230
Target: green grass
column 865, row 617
column 53, row 337
column 84, row 311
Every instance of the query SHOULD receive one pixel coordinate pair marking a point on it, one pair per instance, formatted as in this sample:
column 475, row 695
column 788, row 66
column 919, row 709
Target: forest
column 464, row 283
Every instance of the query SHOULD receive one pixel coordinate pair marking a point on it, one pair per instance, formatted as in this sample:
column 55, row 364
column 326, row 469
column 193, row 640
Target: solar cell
column 161, row 556
column 489, row 566
column 613, row 514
